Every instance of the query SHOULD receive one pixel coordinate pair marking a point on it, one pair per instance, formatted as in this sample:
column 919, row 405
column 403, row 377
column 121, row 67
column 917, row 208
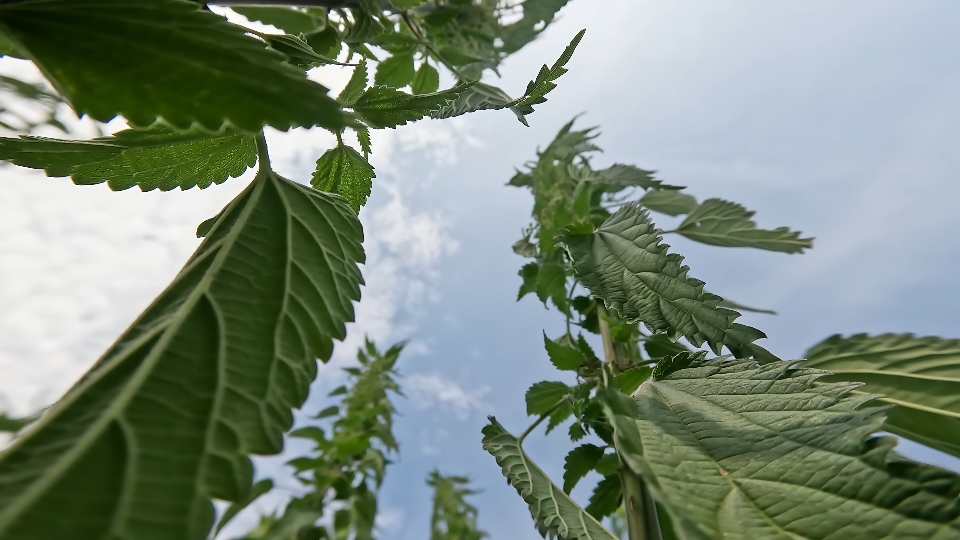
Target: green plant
column 738, row 446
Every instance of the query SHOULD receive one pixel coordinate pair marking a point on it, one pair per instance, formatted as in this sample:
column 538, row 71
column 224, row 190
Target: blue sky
column 837, row 119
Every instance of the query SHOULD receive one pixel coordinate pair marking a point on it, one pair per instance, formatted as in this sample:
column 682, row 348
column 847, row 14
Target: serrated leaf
column 659, row 345
column 608, row 464
column 291, row 20
column 166, row 419
column 342, row 170
column 385, row 107
column 921, row 375
column 668, row 201
column 563, row 358
column 576, row 431
column 479, row 97
column 258, row 489
column 158, row 63
column 363, row 137
column 740, row 307
column 355, row 86
column 154, row 159
column 554, row 511
column 559, row 416
column 733, row 449
column 578, row 463
column 624, row 263
column 723, row 223
column 606, row 497
column 426, row 81
column 542, row 396
column 621, row 176
column 529, row 273
column 396, row 71
column 538, row 88
column 298, row 51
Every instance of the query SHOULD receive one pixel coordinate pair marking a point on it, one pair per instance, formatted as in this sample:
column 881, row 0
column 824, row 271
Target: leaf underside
column 552, row 509
column 741, row 451
column 167, row 418
column 154, row 159
column 167, row 61
column 921, row 375
column 385, row 107
column 723, row 223
column 624, row 263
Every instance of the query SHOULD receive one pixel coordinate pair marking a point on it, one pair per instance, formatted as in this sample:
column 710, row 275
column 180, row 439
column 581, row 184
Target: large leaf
column 385, row 107
column 624, row 263
column 554, row 511
column 154, row 159
column 723, row 223
column 166, row 419
column 736, row 450
column 919, row 374
column 166, row 60
column 342, row 170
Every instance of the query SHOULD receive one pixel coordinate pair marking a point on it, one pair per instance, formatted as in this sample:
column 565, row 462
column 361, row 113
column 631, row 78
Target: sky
column 837, row 119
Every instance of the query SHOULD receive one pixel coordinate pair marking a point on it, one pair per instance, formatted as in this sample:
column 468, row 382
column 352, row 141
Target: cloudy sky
column 838, row 119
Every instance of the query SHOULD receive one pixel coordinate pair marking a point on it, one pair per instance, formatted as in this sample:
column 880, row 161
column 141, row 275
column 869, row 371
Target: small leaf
column 396, row 71
column 542, row 396
column 669, row 202
column 559, row 416
column 630, row 380
column 740, row 307
column 291, row 20
column 426, row 81
column 659, row 345
column 608, row 464
column 606, row 497
column 624, row 263
column 314, row 433
column 355, row 86
column 300, row 53
column 256, row 491
column 723, row 223
column 620, row 176
column 154, row 159
column 363, row 137
column 538, row 88
column 332, row 410
column 529, row 272
column 563, row 358
column 554, row 511
column 578, row 463
column 155, row 65
column 384, row 107
column 921, row 375
column 342, row 170
column 576, row 431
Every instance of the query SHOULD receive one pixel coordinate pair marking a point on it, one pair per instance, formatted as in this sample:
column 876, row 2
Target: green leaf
column 479, row 97
column 355, row 86
column 332, row 410
column 385, row 107
column 921, row 375
column 407, row 4
column 624, row 263
column 154, row 159
column 608, row 464
column 578, row 463
column 168, row 61
column 9, row 424
column 559, row 416
column 291, row 20
column 668, row 201
column 542, row 396
column 396, row 71
column 740, row 307
column 166, row 419
column 563, row 358
column 620, row 176
column 630, row 380
column 363, row 137
column 426, row 81
column 538, row 88
column 554, row 511
column 300, row 53
column 723, row 223
column 256, row 491
column 342, row 170
column 736, row 450
column 606, row 497
column 529, row 272
column 659, row 345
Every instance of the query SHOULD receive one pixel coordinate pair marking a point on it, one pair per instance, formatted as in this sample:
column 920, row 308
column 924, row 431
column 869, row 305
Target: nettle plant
column 743, row 445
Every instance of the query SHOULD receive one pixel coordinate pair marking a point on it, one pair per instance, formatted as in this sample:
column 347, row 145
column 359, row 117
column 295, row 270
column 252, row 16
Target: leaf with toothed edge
column 722, row 223
column 166, row 420
column 734, row 449
column 164, row 60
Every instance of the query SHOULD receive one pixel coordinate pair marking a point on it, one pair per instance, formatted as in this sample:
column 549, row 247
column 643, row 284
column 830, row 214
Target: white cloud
column 432, row 390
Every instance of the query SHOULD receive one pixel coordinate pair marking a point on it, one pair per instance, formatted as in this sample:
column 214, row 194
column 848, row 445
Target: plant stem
column 263, row 156
column 415, row 29
column 642, row 522
column 543, row 417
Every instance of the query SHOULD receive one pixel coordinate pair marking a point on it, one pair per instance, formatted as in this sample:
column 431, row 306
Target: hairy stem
column 263, row 156
column 642, row 522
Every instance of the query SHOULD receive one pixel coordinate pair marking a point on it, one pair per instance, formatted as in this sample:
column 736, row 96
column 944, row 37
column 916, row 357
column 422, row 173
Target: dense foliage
column 686, row 445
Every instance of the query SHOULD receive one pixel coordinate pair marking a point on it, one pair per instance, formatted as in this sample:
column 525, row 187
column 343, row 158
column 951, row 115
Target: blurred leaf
column 578, row 463
column 542, row 396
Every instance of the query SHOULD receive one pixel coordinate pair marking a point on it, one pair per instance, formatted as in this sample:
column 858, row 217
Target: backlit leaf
column 563, row 358
column 396, row 71
column 723, row 223
column 733, row 449
column 154, row 159
column 542, row 396
column 538, row 88
column 921, row 375
column 342, row 170
column 385, row 107
column 578, row 463
column 624, row 263
column 554, row 511
column 426, row 81
column 166, row 419
column 152, row 60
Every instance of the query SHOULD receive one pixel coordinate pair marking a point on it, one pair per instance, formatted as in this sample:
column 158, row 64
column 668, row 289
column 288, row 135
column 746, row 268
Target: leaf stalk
column 263, row 155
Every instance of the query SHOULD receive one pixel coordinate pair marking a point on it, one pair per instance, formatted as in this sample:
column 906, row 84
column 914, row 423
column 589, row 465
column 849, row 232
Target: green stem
column 642, row 522
column 543, row 417
column 263, row 156
column 415, row 29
